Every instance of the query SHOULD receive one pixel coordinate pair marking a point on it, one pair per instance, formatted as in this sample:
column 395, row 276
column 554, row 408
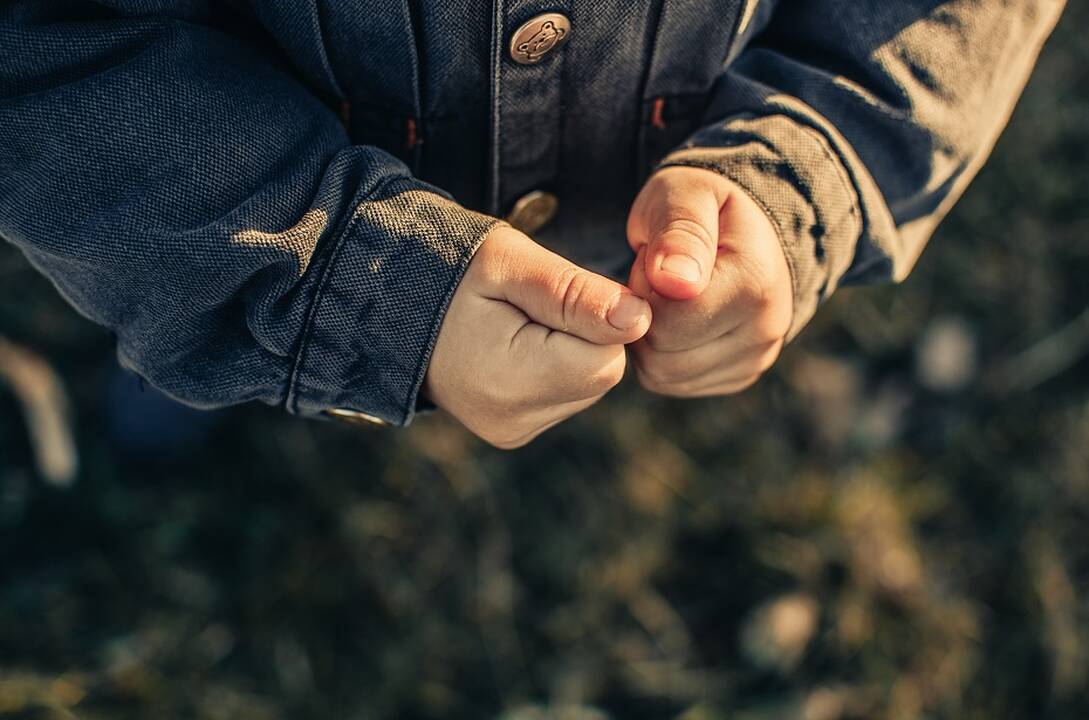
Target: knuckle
column 647, row 382
column 769, row 327
column 657, row 374
column 656, row 340
column 610, row 378
column 597, row 384
column 500, row 408
column 762, row 286
column 607, row 378
column 495, row 261
column 762, row 297
column 653, row 385
column 501, row 400
column 770, row 355
column 758, row 293
column 571, row 285
column 686, row 230
column 652, row 370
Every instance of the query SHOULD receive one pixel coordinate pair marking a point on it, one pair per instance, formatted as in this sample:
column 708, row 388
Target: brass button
column 533, row 211
column 540, row 36
column 353, row 417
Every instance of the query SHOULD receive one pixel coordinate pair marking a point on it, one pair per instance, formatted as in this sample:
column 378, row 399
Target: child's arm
column 182, row 189
column 852, row 126
column 859, row 123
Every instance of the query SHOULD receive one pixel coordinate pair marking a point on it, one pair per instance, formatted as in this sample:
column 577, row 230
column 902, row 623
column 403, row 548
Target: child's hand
column 710, row 261
column 530, row 340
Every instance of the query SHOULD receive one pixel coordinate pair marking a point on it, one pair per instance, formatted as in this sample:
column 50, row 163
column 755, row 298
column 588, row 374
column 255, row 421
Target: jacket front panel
column 433, row 84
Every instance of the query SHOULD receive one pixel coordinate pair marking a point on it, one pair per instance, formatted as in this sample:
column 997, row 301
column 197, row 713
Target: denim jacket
column 273, row 200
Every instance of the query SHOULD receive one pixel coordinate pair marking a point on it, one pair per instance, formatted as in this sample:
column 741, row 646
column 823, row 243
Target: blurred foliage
column 895, row 524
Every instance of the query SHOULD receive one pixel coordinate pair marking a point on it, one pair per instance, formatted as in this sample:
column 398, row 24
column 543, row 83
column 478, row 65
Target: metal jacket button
column 539, row 37
column 354, row 417
column 533, row 211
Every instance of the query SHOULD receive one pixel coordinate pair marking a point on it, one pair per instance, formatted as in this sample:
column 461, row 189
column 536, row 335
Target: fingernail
column 683, row 266
column 628, row 312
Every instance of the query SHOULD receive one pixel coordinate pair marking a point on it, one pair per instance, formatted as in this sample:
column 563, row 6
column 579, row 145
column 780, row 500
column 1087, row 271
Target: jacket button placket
column 530, row 75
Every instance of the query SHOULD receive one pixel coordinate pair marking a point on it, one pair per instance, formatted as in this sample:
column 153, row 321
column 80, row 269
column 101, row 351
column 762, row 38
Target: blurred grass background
column 895, row 524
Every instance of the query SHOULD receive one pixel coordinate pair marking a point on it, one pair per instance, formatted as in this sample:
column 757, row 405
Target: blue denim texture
column 275, row 201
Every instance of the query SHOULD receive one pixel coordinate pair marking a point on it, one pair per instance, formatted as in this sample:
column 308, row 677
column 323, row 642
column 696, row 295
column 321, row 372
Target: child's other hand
column 710, row 261
column 530, row 340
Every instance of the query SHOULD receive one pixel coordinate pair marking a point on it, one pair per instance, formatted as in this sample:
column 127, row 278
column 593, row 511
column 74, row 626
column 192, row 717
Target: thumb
column 560, row 295
column 678, row 222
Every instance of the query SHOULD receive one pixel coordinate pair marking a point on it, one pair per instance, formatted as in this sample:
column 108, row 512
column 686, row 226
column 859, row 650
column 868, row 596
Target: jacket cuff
column 380, row 305
column 793, row 172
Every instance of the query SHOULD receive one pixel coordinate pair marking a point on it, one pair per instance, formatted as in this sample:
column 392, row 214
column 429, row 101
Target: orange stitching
column 657, row 119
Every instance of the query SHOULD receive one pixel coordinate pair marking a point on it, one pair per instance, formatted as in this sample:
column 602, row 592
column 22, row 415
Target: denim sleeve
column 183, row 190
column 858, row 123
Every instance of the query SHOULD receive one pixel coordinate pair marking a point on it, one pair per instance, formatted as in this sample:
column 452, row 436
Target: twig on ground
column 46, row 410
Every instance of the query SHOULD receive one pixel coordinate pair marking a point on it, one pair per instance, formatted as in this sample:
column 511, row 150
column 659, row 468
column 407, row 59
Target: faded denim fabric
column 275, row 201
